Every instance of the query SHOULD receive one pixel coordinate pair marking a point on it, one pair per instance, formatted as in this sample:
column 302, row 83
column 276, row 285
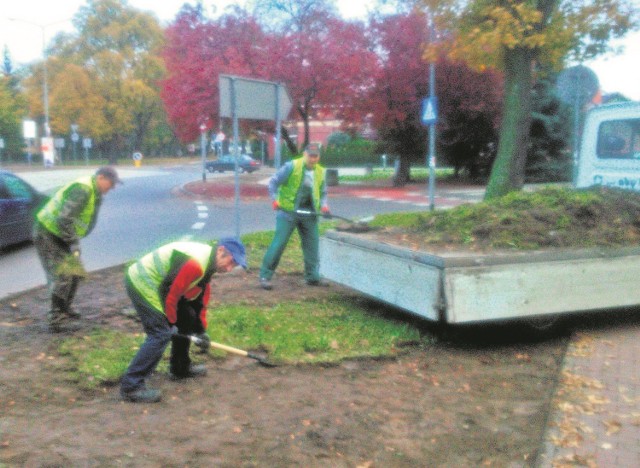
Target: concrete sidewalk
column 595, row 415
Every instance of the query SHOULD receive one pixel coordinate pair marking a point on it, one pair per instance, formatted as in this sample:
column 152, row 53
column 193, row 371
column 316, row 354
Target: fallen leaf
column 613, row 427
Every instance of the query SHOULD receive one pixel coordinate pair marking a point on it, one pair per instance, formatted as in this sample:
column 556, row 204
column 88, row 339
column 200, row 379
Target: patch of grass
column 417, row 174
column 100, row 357
column 292, row 333
column 310, row 332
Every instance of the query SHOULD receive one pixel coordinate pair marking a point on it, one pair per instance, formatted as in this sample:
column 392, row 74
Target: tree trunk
column 507, row 173
column 402, row 173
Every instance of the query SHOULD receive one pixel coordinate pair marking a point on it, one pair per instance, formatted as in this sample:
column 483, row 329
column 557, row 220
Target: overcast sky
column 616, row 73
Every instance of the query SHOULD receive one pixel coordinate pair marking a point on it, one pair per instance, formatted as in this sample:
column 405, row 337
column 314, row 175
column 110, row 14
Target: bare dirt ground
column 476, row 397
column 466, row 402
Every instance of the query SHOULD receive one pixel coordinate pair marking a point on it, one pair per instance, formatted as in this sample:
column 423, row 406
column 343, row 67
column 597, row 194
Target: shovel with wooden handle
column 355, row 226
column 230, row 349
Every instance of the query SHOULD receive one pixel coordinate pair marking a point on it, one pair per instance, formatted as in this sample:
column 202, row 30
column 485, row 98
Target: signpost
column 86, row 144
column 248, row 98
column 203, row 149
column 577, row 86
column 429, row 116
column 74, row 138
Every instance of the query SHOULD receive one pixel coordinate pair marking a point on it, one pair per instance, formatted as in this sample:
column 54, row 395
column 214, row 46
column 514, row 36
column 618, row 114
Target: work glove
column 275, row 205
column 174, row 330
column 326, row 212
column 203, row 342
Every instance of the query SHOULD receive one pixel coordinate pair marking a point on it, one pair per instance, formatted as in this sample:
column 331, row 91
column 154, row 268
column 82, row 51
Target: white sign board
column 254, row 99
column 29, row 129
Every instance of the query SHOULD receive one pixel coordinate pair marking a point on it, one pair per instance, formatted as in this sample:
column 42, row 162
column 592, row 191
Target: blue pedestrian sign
column 429, row 114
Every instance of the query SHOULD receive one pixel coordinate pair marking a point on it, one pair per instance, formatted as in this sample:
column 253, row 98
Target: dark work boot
column 60, row 321
column 266, row 284
column 142, row 395
column 198, row 370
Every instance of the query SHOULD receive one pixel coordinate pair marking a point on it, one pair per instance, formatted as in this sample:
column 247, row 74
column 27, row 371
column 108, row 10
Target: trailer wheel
column 544, row 324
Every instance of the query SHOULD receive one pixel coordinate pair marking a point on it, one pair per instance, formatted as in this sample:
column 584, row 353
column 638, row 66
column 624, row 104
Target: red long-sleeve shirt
column 190, row 272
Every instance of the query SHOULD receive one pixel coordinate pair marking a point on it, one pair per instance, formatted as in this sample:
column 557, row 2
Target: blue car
column 19, row 202
column 228, row 163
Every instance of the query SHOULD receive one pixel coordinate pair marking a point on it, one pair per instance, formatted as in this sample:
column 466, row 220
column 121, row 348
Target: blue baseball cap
column 236, row 249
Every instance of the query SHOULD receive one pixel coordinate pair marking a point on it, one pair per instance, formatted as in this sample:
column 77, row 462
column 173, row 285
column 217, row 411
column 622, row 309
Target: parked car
column 19, row 202
column 227, row 163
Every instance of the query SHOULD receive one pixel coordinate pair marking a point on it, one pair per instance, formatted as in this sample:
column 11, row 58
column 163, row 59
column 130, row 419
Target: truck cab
column 610, row 147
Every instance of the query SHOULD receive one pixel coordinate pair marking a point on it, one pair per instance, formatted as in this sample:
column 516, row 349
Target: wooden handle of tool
column 229, row 349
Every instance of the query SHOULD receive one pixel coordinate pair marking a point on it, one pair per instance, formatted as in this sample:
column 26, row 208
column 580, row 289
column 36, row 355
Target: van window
column 619, row 139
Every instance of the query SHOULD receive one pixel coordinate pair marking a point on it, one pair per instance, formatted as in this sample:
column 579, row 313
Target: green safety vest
column 149, row 273
column 288, row 191
column 48, row 215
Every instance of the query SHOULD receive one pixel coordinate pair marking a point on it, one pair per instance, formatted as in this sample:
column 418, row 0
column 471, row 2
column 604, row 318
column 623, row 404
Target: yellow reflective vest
column 151, row 276
column 50, row 212
column 288, row 191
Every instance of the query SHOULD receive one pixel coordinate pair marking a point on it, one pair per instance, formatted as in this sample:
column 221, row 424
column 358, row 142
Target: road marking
column 203, row 213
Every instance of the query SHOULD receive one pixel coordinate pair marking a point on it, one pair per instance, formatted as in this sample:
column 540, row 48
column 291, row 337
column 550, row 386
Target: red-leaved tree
column 328, row 68
column 197, row 51
column 468, row 100
column 326, row 64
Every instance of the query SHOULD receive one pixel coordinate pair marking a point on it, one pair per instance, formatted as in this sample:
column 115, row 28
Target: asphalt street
column 136, row 217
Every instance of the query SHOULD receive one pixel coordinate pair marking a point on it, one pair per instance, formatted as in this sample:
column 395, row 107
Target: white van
column 610, row 147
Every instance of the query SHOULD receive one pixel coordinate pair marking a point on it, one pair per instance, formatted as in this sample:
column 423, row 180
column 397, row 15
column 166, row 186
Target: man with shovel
column 170, row 290
column 67, row 217
column 299, row 185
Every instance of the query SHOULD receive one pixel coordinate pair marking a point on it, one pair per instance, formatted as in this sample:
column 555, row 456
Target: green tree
column 518, row 36
column 10, row 116
column 105, row 78
column 12, row 109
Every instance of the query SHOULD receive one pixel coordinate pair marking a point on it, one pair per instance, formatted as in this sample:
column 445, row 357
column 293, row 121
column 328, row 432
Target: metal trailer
column 610, row 147
column 459, row 288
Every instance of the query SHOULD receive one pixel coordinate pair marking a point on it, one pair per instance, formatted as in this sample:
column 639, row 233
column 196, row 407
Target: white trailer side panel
column 390, row 278
column 531, row 289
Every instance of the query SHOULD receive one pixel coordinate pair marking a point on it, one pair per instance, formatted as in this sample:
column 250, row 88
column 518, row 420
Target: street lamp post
column 45, row 87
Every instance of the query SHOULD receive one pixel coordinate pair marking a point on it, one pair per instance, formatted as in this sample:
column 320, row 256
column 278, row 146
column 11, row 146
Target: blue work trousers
column 158, row 336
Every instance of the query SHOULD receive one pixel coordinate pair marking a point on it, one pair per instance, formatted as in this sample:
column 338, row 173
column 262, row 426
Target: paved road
column 135, row 217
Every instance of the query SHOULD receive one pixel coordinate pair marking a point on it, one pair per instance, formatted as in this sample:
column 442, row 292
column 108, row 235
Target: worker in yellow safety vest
column 170, row 290
column 67, row 217
column 299, row 193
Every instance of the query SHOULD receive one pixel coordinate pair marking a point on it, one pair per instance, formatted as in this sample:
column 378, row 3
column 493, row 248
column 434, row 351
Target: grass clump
column 552, row 217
